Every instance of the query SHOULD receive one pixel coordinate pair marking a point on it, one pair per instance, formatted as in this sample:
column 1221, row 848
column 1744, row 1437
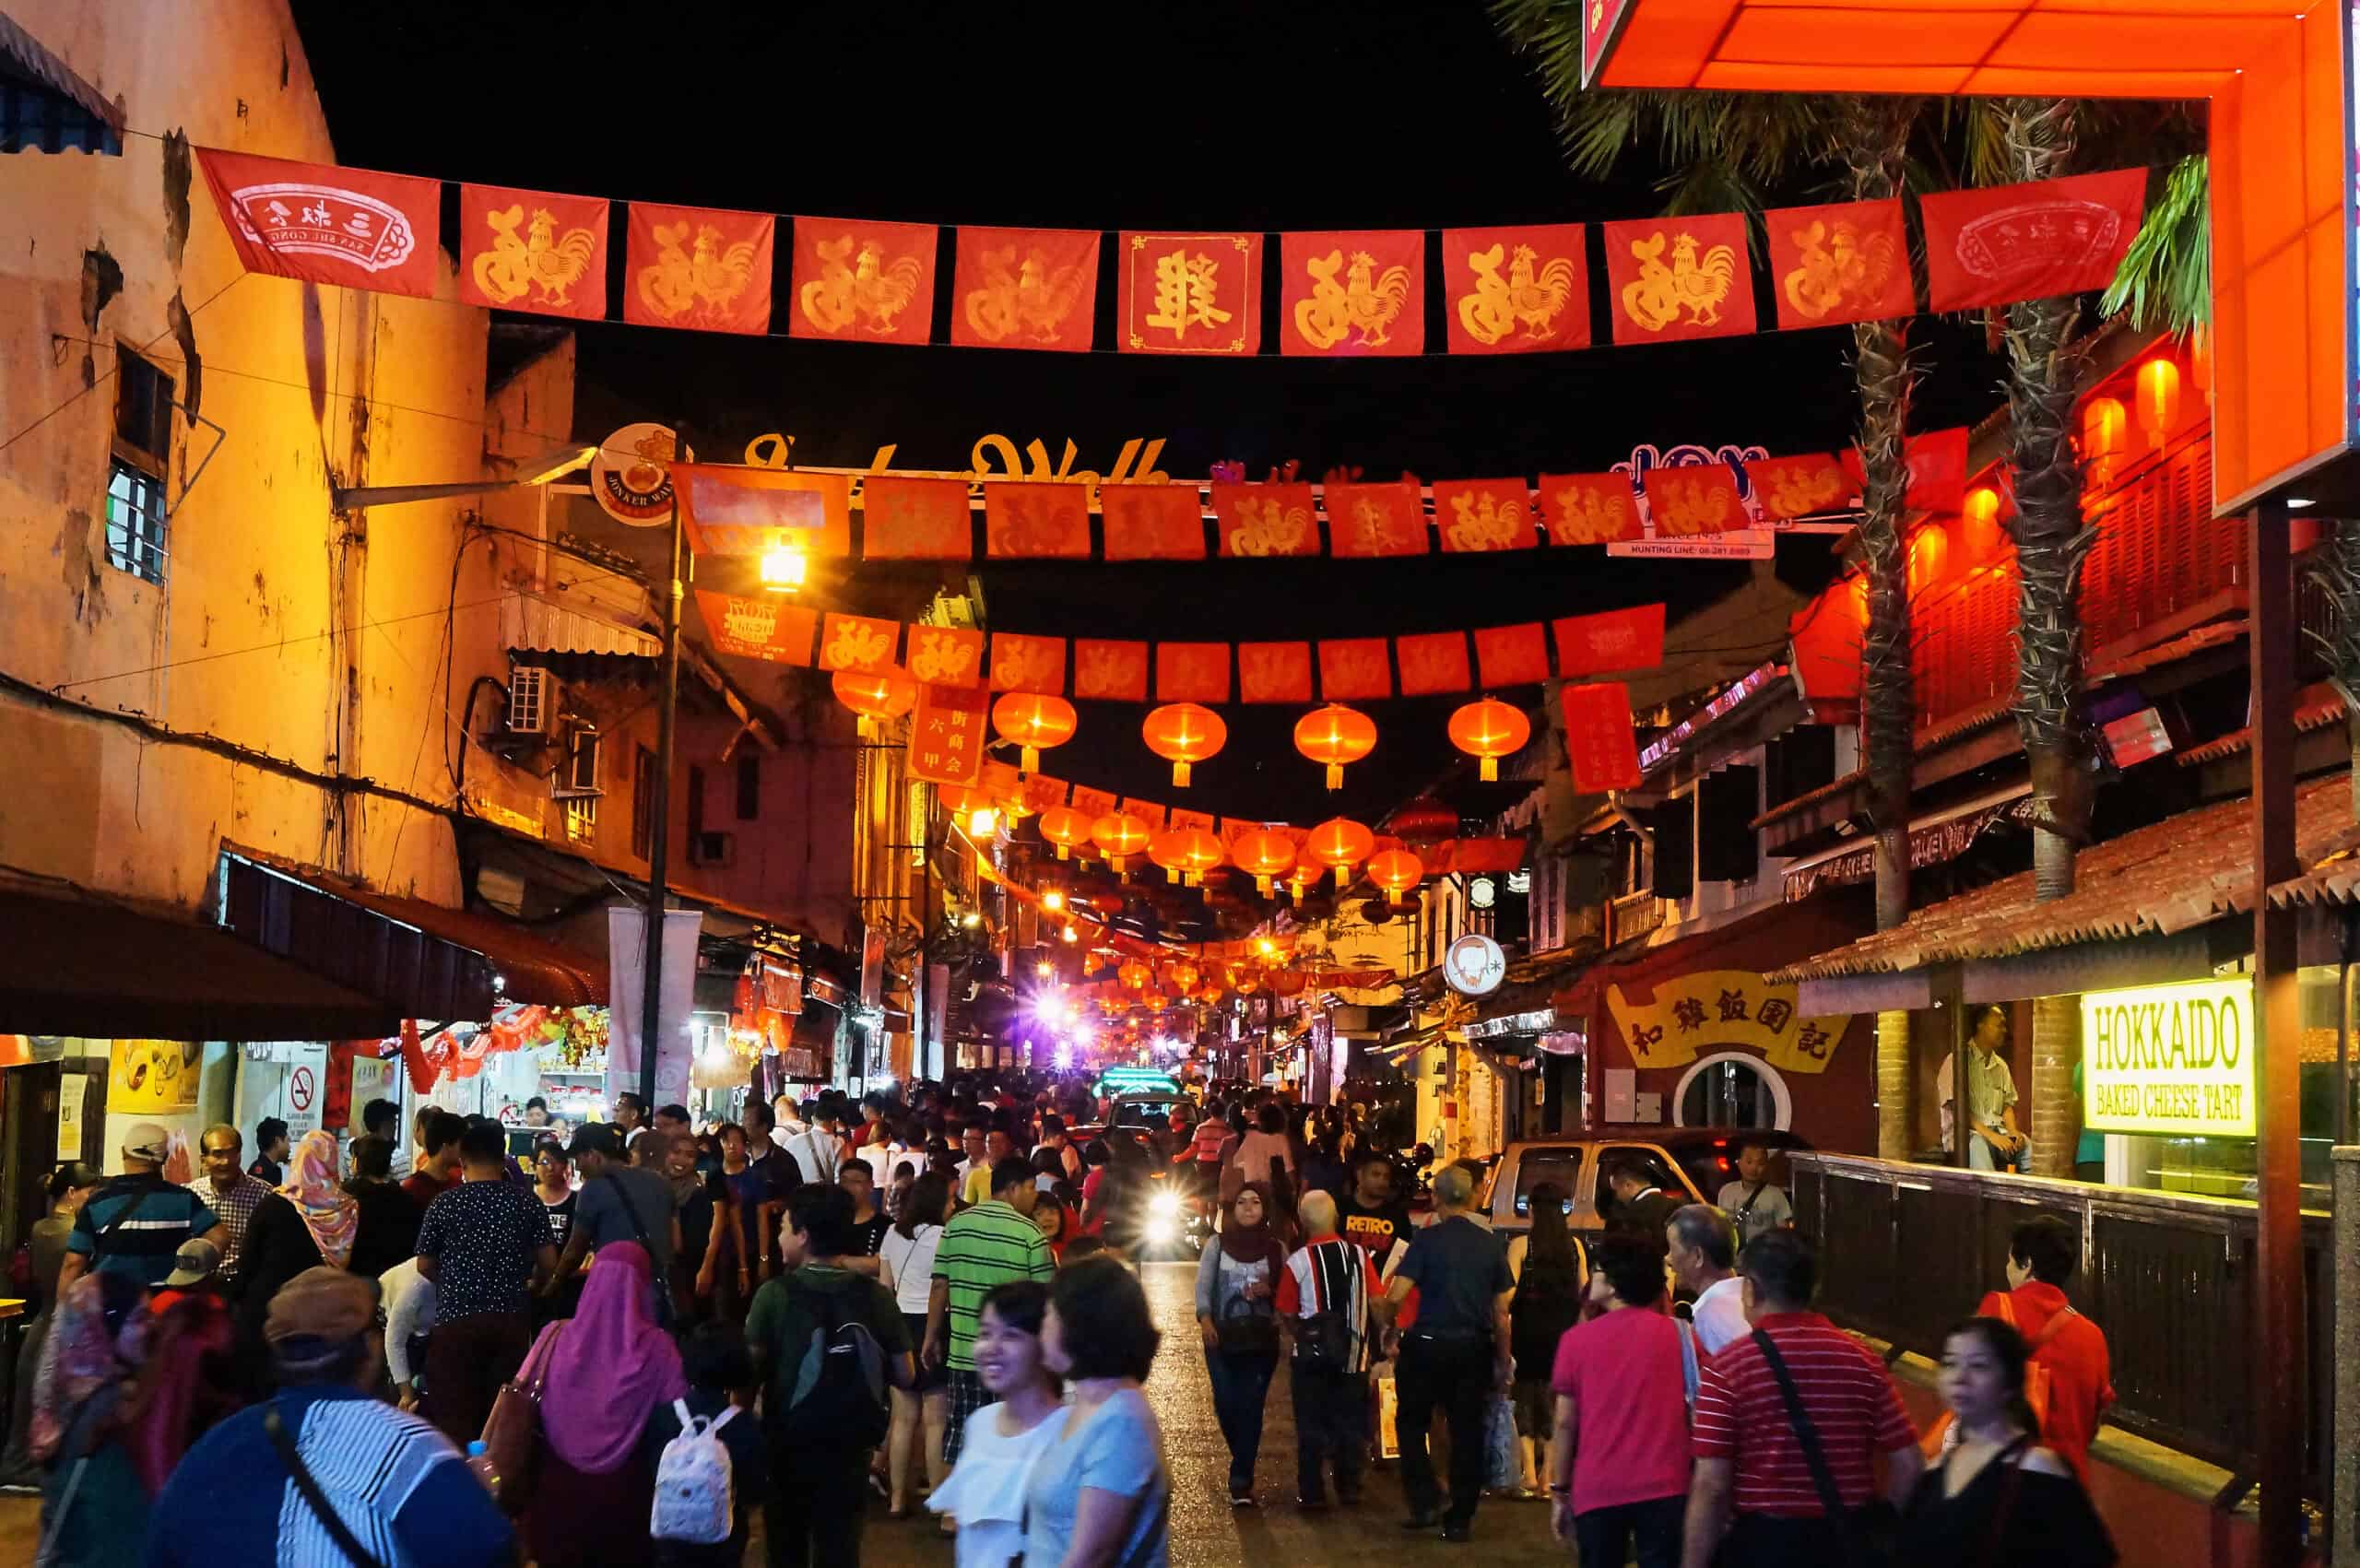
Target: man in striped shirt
column 137, row 1223
column 988, row 1245
column 1328, row 1280
column 1752, row 1479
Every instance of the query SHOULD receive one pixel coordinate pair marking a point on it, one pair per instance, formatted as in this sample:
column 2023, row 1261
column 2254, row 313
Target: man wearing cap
column 136, row 1223
column 195, row 1268
column 229, row 1190
column 397, row 1488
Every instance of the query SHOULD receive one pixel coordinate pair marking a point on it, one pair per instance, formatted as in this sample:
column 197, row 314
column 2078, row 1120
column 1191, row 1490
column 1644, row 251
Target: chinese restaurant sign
column 2169, row 1059
column 948, row 734
column 1715, row 1009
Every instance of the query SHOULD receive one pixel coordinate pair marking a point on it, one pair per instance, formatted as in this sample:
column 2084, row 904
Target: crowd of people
column 619, row 1349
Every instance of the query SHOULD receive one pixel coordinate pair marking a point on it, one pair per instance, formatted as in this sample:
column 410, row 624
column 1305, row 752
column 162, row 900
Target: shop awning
column 530, row 625
column 1934, row 839
column 52, row 108
column 82, row 965
column 426, row 960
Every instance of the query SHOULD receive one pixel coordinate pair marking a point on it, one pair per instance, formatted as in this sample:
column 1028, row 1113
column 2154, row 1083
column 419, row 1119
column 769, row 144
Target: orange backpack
column 1940, row 1437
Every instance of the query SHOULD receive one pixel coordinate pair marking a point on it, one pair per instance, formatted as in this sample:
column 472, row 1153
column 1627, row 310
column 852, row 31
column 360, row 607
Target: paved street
column 1205, row 1529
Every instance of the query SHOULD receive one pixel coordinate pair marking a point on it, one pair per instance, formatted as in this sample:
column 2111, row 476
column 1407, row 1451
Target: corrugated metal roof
column 529, row 625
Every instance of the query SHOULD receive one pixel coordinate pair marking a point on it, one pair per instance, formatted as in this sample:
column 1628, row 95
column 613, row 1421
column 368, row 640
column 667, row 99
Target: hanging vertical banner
column 1787, row 487
column 1190, row 293
column 1037, row 521
column 1484, row 515
column 946, row 656
column 1258, row 519
column 1434, row 662
column 1028, row 664
column 533, row 250
column 1623, row 638
column 676, row 994
column 1274, row 672
column 858, row 641
column 1114, row 671
column 908, row 519
column 1697, row 498
column 1670, row 278
column 346, row 226
column 1356, row 294
column 1601, row 744
column 1832, row 265
column 1516, row 290
column 1511, row 655
column 1376, row 520
column 1024, row 288
column 1590, row 509
column 1192, row 672
column 2002, row 243
column 873, row 282
column 1152, row 522
column 759, row 626
column 699, row 267
column 949, row 731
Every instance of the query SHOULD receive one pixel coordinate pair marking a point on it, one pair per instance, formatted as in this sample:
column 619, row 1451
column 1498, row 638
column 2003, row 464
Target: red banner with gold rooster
column 697, row 267
column 1189, row 294
column 1024, row 288
column 1356, row 294
column 1831, row 265
column 871, row 282
column 1516, row 290
column 1670, row 278
column 533, row 250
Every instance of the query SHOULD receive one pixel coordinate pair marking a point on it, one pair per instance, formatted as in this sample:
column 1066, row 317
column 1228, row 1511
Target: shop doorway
column 1733, row 1090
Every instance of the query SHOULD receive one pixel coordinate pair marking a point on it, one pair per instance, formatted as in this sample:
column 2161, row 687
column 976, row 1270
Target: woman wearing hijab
column 309, row 1221
column 607, row 1369
column 1237, row 1314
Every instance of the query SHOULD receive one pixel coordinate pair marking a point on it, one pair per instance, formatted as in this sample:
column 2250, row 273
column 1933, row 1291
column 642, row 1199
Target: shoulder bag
column 1323, row 1337
column 346, row 1542
column 1248, row 1333
column 639, row 1234
column 512, row 1434
column 1863, row 1537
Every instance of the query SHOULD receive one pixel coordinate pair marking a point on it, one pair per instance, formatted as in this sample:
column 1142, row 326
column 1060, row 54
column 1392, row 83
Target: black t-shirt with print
column 482, row 1237
column 1376, row 1227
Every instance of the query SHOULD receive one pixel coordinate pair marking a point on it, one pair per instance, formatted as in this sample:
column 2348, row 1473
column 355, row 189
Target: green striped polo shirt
column 986, row 1245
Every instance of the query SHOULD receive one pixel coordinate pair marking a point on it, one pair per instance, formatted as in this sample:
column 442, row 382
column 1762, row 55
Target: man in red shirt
column 1752, row 1478
column 436, row 1169
column 1621, row 1458
column 2042, row 1254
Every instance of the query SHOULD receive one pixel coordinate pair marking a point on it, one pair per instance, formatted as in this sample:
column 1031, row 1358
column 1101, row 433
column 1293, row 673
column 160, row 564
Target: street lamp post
column 668, row 703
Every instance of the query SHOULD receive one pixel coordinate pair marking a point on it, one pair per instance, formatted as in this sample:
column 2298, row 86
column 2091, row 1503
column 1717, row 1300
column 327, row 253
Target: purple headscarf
column 610, row 1365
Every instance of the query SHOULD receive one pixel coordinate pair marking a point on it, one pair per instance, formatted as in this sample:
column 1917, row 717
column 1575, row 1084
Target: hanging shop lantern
column 1263, row 854
column 1118, row 835
column 1065, row 828
column 1167, row 849
column 1930, row 555
column 876, row 695
column 2103, row 420
column 1396, row 871
column 1490, row 729
column 2158, row 399
column 1184, row 734
column 1334, row 735
column 1034, row 722
column 1340, row 843
column 1199, row 853
column 1979, row 524
column 1133, row 975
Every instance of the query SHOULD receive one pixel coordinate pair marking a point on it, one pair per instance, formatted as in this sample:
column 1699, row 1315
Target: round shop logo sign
column 1474, row 966
column 631, row 477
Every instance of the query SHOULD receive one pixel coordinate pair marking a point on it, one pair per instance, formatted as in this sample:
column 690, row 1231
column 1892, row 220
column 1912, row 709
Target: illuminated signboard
column 1136, row 1081
column 2174, row 1060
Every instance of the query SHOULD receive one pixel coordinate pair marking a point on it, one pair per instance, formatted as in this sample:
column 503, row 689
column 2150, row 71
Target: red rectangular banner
column 1511, row 655
column 858, row 641
column 1037, row 521
column 1832, row 265
column 871, row 282
column 948, row 734
column 1200, row 820
column 1376, row 520
column 1258, row 520
column 1787, row 487
column 1344, row 295
column 730, row 509
column 906, row 519
column 759, row 626
column 1623, row 638
column 1093, row 802
column 1152, row 812
column 1025, row 288
column 2001, row 243
column 1190, row 294
column 1274, row 672
column 1600, row 741
column 1192, row 672
column 1475, row 516
column 1042, row 792
column 1698, row 498
column 533, row 250
column 1434, row 662
column 1354, row 669
column 1152, row 522
column 313, row 221
column 1937, row 465
column 1670, row 278
column 1516, row 290
column 946, row 656
column 699, row 267
column 1590, row 509
column 1115, row 671
column 1028, row 664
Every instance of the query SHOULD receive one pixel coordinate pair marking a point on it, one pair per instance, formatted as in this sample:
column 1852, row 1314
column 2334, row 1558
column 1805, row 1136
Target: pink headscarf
column 331, row 1213
column 609, row 1365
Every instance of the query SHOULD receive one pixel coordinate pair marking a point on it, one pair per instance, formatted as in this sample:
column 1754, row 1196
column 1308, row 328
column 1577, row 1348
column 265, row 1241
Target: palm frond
column 2166, row 279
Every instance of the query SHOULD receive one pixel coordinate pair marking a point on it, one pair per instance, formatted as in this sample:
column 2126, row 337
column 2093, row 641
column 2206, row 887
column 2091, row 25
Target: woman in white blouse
column 986, row 1492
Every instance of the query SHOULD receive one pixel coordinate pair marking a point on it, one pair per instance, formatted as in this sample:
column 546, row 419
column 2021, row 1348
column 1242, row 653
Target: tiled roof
column 2316, row 707
column 2179, row 873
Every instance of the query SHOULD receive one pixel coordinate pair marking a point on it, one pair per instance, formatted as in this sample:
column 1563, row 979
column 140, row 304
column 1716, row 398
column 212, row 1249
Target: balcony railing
column 1633, row 915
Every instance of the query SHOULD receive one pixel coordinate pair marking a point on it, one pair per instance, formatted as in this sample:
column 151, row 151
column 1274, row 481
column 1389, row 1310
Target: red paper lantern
column 1134, row 974
column 1334, row 735
column 1184, row 734
column 1490, row 729
column 1396, row 871
column 1065, row 828
column 1168, row 850
column 1263, row 854
column 2158, row 385
column 1119, row 835
column 1034, row 722
column 1199, row 853
column 875, row 694
column 1979, row 523
column 1340, row 843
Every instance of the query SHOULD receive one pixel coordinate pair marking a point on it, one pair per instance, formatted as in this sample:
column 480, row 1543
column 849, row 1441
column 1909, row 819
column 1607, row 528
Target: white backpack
column 694, row 1500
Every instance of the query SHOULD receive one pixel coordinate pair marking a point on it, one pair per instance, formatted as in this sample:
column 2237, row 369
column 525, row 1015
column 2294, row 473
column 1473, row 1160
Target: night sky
column 1310, row 114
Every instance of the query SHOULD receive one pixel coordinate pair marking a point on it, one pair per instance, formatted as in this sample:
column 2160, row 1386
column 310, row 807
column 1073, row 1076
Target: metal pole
column 659, row 843
column 926, row 931
column 2279, row 1361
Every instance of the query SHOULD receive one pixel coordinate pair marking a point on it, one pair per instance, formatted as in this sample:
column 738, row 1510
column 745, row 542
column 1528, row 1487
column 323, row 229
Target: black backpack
column 839, row 1399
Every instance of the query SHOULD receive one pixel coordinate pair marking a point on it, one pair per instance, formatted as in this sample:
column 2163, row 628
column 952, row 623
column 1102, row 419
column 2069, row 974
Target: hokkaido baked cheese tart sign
column 2169, row 1059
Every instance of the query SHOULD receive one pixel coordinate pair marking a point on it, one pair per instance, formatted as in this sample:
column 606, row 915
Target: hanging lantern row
column 1184, row 734
column 1034, row 723
column 1336, row 735
column 875, row 695
column 1490, row 729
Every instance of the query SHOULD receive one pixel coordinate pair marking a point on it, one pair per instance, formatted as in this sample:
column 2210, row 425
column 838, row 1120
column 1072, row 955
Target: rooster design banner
column 532, row 251
column 1832, row 266
column 697, row 267
column 1516, row 290
column 1671, row 278
column 1348, row 294
column 1024, row 288
column 872, row 282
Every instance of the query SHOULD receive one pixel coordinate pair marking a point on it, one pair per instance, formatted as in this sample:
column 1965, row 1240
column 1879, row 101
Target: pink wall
column 793, row 858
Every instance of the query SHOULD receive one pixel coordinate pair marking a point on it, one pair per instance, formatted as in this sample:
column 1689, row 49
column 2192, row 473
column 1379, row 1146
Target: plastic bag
column 1504, row 1467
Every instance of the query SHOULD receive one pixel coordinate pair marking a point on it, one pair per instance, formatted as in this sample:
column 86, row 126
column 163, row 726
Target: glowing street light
column 784, row 568
column 983, row 822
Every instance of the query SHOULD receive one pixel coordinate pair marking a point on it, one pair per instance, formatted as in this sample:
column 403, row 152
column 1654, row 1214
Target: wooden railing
column 1632, row 914
column 1907, row 1250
